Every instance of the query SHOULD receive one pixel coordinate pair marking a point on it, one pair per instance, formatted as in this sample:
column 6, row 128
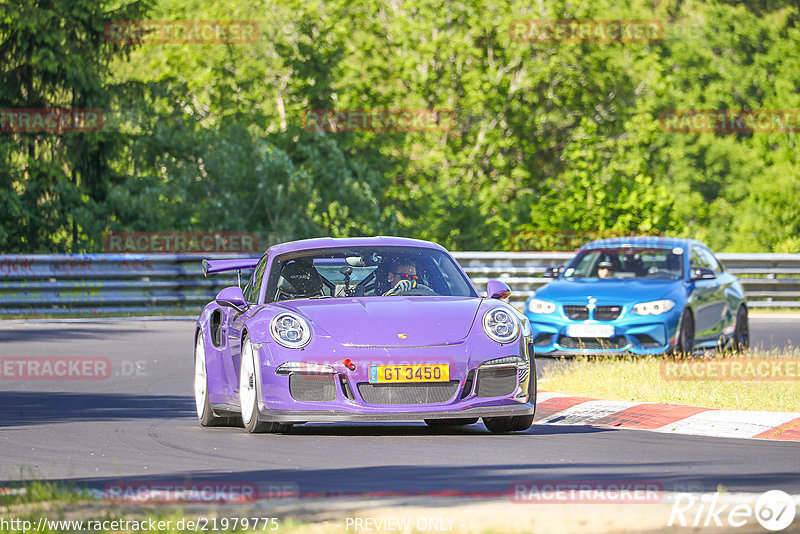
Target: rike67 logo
column 774, row 510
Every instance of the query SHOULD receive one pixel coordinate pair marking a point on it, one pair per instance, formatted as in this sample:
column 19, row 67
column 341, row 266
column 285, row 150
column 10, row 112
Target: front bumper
column 475, row 388
column 632, row 334
column 325, row 416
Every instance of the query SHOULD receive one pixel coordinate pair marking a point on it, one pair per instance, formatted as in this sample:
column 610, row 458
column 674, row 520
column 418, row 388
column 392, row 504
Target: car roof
column 642, row 242
column 332, row 242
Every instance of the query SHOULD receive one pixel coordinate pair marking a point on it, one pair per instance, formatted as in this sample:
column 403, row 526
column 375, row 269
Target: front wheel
column 741, row 335
column 248, row 394
column 685, row 345
column 204, row 412
column 461, row 421
column 516, row 423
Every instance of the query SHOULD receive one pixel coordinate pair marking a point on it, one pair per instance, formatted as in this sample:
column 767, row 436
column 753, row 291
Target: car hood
column 382, row 321
column 609, row 291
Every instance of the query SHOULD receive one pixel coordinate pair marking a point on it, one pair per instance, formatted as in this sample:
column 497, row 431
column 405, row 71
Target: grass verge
column 662, row 379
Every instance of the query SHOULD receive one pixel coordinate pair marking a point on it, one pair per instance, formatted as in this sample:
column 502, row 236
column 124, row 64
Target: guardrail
column 155, row 283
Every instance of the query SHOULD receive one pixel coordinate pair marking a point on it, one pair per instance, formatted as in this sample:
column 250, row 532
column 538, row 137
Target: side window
column 254, row 286
column 697, row 259
column 713, row 264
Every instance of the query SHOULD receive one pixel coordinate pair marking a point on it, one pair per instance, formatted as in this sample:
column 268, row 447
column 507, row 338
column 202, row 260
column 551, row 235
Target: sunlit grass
column 641, row 379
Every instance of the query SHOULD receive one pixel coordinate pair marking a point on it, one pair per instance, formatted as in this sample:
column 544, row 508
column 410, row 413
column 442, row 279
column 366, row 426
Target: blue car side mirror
column 703, row 273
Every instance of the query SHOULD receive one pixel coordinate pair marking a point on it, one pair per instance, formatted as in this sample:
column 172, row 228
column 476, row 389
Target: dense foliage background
column 549, row 137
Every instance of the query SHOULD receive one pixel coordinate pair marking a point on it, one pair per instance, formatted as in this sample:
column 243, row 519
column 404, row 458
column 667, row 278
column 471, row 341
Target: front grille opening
column 607, row 313
column 408, row 393
column 595, row 343
column 468, row 384
column 543, row 339
column 576, row 313
column 346, row 389
column 312, row 387
column 647, row 341
column 498, row 382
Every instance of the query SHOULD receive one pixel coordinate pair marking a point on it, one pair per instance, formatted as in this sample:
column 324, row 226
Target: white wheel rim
column 247, row 383
column 200, row 380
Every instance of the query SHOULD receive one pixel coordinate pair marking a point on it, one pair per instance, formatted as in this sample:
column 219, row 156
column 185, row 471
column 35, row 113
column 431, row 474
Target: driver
column 402, row 277
column 605, row 269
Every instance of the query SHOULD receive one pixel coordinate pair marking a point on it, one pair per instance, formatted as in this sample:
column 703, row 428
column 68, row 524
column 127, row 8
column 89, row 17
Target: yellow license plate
column 437, row 372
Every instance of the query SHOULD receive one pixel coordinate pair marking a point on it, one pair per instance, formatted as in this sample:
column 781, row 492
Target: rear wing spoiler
column 219, row 266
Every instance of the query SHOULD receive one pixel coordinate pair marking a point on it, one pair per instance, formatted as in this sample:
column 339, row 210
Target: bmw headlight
column 500, row 325
column 541, row 306
column 290, row 330
column 655, row 307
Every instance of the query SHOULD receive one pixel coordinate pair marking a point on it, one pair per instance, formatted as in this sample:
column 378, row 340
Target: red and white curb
column 561, row 409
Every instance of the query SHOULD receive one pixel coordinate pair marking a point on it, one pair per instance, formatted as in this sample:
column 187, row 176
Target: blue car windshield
column 627, row 263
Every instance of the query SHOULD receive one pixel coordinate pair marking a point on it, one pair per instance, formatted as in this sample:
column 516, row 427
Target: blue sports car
column 639, row 295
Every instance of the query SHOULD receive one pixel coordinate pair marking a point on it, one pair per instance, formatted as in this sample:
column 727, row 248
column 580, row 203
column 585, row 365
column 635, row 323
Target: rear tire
column 248, row 394
column 462, row 421
column 741, row 335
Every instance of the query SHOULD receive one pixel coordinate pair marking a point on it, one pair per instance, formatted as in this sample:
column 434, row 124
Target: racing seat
column 299, row 279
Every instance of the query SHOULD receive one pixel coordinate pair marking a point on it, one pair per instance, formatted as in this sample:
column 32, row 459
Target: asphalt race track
column 139, row 424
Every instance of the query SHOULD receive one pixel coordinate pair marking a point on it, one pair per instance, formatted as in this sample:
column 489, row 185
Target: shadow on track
column 28, row 335
column 478, row 480
column 24, row 408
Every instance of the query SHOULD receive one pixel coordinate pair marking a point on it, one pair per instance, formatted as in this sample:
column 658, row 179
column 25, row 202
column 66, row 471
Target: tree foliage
column 548, row 136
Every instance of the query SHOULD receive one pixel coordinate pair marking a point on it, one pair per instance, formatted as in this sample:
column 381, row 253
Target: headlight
column 290, row 330
column 500, row 325
column 656, row 307
column 541, row 306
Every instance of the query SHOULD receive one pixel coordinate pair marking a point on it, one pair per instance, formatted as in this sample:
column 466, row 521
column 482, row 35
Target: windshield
column 366, row 272
column 626, row 263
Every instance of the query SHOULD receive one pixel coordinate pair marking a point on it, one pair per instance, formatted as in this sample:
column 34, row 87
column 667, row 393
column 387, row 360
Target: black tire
column 685, row 345
column 462, row 421
column 741, row 335
column 253, row 425
column 516, row 423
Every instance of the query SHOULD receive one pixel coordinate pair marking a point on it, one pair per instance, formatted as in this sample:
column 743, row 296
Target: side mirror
column 703, row 273
column 552, row 272
column 496, row 289
column 232, row 297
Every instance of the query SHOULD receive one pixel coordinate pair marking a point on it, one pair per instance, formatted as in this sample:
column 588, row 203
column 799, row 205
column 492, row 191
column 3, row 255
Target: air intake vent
column 607, row 313
column 312, row 387
column 497, row 382
column 577, row 313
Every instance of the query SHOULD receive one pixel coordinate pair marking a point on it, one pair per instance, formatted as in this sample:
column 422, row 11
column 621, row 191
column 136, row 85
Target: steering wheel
column 419, row 290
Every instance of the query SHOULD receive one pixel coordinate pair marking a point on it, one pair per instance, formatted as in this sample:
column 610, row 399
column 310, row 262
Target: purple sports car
column 361, row 329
